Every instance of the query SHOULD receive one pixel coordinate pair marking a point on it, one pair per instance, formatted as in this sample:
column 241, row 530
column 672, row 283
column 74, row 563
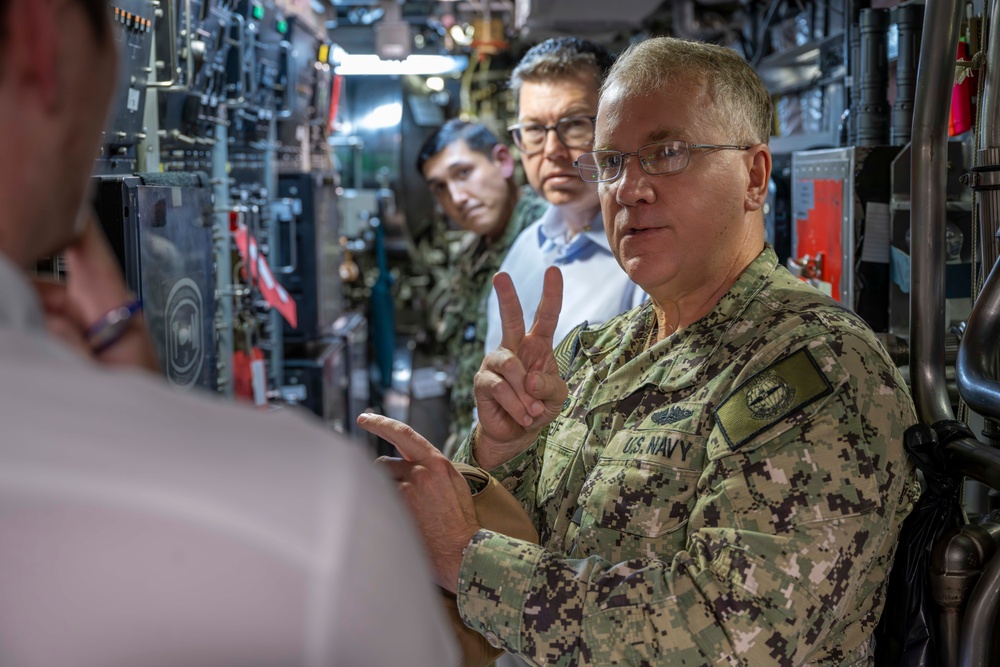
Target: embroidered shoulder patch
column 789, row 384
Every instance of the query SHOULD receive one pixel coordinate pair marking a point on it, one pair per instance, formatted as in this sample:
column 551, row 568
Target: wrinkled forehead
column 685, row 101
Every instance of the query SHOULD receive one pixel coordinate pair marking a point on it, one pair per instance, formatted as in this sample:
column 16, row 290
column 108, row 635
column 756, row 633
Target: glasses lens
column 665, row 157
column 599, row 166
column 530, row 138
column 576, row 132
column 587, row 166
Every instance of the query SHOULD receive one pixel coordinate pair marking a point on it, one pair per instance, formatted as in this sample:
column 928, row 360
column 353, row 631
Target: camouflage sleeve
column 788, row 542
column 519, row 475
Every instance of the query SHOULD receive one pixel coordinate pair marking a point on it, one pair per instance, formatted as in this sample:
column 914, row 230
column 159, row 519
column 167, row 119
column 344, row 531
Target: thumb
column 546, row 387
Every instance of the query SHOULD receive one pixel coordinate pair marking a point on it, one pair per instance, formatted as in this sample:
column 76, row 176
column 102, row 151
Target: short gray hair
column 558, row 58
column 741, row 101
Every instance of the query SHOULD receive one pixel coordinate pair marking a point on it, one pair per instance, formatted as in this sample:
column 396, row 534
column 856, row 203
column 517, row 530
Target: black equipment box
column 309, row 255
column 331, row 377
column 160, row 227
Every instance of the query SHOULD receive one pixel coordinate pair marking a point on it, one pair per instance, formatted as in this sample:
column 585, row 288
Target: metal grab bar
column 928, row 185
column 172, row 85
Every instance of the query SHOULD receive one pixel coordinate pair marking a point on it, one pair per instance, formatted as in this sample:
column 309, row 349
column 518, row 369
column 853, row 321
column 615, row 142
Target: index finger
column 413, row 446
column 511, row 315
column 547, row 315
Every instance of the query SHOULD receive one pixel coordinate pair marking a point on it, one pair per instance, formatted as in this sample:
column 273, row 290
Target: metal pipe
column 989, row 147
column 929, row 163
column 974, row 460
column 958, row 559
column 976, row 368
column 991, row 91
column 980, row 617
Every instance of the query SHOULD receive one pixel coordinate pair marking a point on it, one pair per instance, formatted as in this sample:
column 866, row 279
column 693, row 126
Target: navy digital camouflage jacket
column 731, row 495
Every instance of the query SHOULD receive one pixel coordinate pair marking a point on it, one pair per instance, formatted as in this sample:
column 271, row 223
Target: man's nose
column 553, row 146
column 458, row 194
column 633, row 184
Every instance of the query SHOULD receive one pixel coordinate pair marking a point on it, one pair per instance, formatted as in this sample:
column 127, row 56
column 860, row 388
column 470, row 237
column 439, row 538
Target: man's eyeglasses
column 663, row 157
column 573, row 132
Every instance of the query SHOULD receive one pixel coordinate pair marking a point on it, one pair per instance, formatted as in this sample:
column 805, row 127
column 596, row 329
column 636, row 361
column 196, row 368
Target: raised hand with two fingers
column 518, row 388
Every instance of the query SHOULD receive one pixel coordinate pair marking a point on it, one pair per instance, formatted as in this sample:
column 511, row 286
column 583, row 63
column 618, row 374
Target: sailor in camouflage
column 463, row 323
column 471, row 174
column 729, row 495
column 718, row 476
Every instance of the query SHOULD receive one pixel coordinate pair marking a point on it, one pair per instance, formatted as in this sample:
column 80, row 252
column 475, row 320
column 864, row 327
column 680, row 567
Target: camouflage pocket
column 636, row 486
column 639, row 497
column 555, row 463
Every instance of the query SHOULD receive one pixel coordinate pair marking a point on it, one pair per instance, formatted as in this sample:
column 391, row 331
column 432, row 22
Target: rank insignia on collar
column 671, row 415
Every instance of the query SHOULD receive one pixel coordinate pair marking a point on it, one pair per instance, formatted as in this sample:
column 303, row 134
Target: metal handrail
column 928, row 188
column 172, row 85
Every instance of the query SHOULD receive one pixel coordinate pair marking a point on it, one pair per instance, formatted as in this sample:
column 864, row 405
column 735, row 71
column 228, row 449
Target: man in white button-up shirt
column 139, row 526
column 556, row 85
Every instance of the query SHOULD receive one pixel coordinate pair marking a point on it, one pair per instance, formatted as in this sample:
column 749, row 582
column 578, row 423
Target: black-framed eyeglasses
column 663, row 157
column 573, row 132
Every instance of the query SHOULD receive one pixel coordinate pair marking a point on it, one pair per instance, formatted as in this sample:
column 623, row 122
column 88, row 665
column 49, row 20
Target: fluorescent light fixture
column 387, row 115
column 420, row 65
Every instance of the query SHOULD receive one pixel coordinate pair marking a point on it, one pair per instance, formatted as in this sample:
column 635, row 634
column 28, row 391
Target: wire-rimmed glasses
column 660, row 158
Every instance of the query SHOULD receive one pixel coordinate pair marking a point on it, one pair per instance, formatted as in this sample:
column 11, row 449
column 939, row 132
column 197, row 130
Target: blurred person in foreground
column 717, row 476
column 471, row 175
column 556, row 85
column 139, row 526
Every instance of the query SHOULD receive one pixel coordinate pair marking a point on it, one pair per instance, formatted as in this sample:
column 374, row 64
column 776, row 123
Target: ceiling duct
column 392, row 33
column 539, row 18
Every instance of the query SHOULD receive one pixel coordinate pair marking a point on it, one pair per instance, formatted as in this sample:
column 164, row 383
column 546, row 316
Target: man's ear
column 32, row 52
column 759, row 163
column 502, row 156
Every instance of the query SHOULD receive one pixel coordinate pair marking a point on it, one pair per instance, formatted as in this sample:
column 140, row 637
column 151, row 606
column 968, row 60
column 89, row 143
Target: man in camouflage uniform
column 471, row 174
column 720, row 479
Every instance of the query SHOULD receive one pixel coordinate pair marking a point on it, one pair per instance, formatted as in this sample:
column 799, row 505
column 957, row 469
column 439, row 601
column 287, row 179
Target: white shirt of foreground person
column 595, row 288
column 140, row 526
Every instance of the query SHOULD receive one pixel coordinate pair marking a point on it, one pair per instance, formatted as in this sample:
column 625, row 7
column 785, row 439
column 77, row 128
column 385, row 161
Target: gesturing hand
column 94, row 285
column 518, row 387
column 436, row 494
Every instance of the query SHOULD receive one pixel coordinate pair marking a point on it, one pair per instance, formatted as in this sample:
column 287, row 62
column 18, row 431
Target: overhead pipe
column 976, row 367
column 928, row 185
